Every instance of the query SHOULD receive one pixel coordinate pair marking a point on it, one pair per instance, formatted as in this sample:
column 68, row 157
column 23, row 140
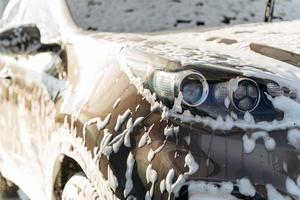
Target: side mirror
column 24, row 40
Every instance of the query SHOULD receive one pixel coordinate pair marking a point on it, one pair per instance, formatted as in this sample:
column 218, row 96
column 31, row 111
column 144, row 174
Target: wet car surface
column 210, row 114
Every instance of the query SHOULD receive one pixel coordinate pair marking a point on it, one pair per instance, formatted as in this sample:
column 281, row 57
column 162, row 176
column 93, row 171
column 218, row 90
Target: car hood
column 262, row 50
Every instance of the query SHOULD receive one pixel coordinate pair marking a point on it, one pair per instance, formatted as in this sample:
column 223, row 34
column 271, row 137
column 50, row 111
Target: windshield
column 36, row 12
column 158, row 15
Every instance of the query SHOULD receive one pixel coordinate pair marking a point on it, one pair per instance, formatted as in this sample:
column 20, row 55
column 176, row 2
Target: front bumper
column 219, row 155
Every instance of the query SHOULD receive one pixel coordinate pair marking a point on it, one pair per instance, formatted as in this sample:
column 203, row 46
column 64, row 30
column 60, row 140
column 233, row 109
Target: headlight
column 191, row 84
column 194, row 88
column 216, row 96
column 247, row 95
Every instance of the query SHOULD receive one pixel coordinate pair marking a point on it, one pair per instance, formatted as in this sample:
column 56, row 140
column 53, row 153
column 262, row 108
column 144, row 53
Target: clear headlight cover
column 191, row 84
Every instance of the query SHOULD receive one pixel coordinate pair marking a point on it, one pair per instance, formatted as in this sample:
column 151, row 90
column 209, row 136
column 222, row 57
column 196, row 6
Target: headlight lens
column 192, row 92
column 247, row 95
column 194, row 89
column 191, row 84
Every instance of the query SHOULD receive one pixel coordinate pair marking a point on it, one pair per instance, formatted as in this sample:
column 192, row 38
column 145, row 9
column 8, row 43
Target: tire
column 79, row 187
column 7, row 188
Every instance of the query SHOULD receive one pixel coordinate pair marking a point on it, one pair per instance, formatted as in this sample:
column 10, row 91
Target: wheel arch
column 72, row 153
column 64, row 168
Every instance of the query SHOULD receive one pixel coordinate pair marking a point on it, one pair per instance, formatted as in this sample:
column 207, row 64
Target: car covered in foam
column 198, row 114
